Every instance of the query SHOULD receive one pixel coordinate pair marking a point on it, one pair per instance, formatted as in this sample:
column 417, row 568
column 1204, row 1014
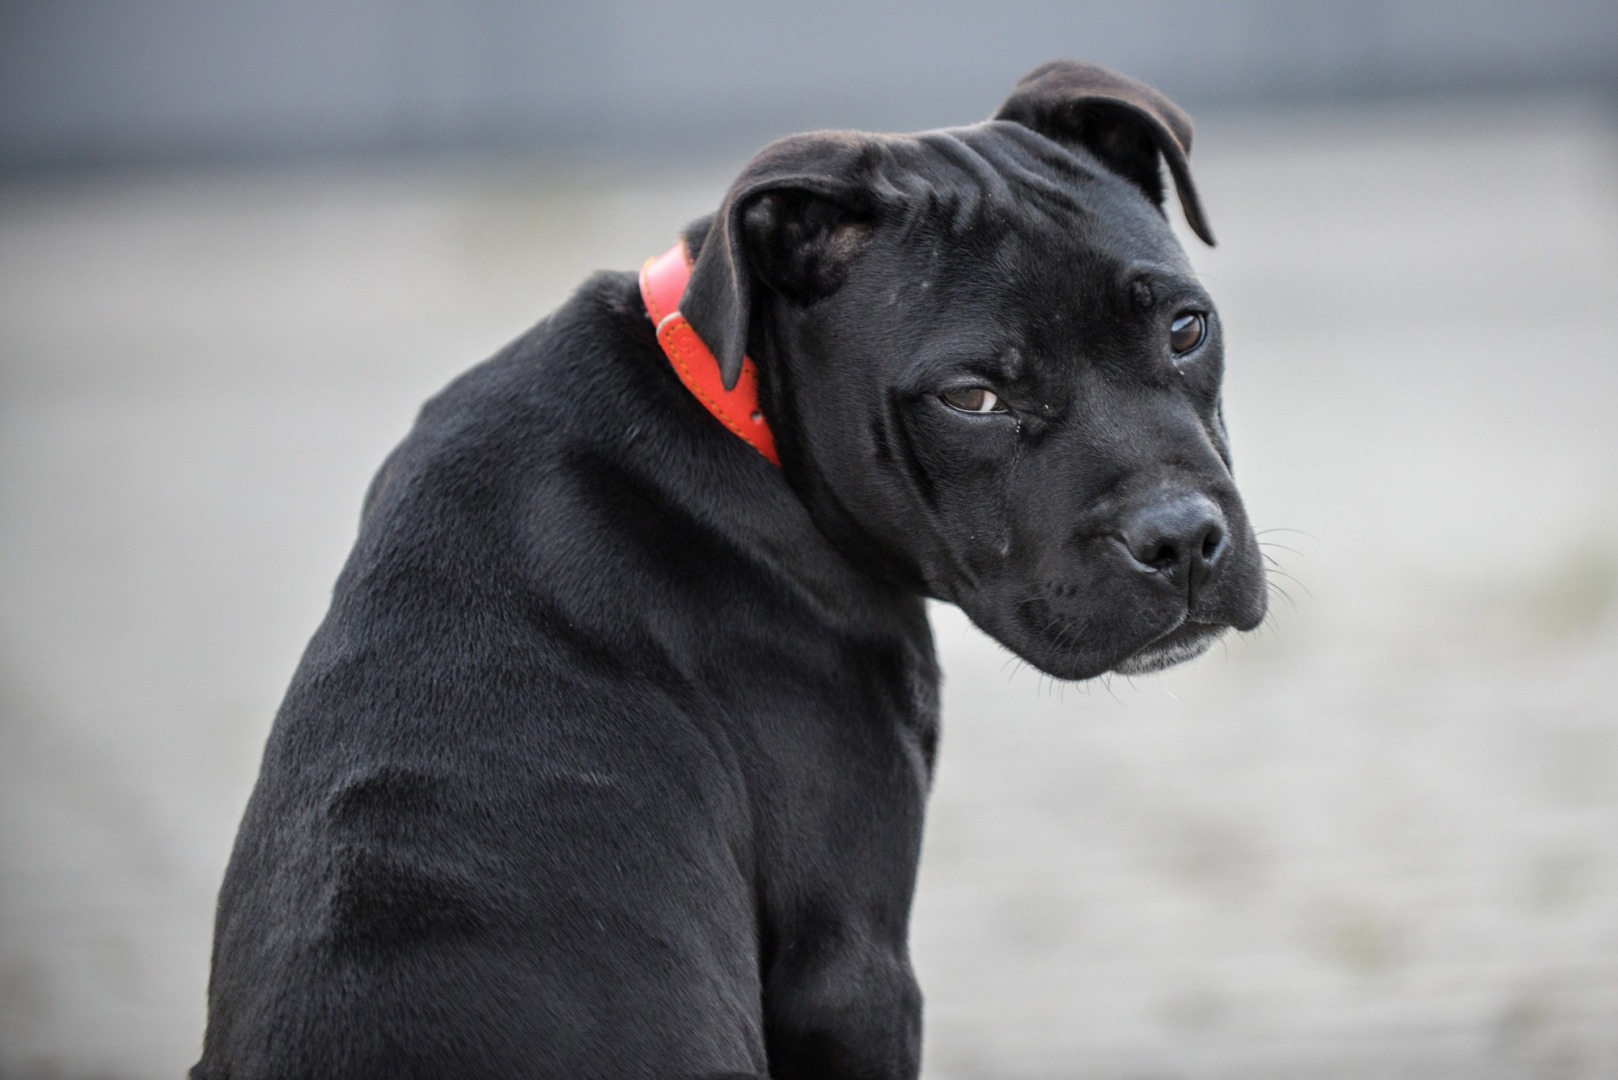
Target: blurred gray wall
column 183, row 80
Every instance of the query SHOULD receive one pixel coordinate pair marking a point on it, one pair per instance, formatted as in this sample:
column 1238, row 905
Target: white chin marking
column 1157, row 657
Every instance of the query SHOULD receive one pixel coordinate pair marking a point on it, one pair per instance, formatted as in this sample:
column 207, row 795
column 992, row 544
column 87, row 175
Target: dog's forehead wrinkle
column 985, row 174
column 1026, row 152
column 959, row 166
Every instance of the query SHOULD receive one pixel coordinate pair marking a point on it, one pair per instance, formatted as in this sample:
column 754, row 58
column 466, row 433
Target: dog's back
column 501, row 818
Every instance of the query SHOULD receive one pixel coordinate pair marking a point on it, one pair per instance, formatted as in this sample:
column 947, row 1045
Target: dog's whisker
column 1106, row 681
column 1278, row 528
column 1292, row 578
column 1293, row 604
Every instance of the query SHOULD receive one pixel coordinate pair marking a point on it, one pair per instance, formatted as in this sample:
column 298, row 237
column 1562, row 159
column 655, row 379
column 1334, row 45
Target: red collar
column 662, row 285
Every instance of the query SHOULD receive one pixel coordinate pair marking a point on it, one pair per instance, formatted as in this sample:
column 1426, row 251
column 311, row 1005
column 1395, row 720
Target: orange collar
column 662, row 285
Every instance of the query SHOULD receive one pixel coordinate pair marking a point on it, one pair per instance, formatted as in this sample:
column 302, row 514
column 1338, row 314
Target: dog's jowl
column 610, row 758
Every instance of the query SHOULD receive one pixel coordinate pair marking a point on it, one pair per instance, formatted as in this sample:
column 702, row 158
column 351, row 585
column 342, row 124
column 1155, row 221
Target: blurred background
column 240, row 243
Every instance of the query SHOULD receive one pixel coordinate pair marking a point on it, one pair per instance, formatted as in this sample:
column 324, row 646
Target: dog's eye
column 976, row 399
column 1186, row 332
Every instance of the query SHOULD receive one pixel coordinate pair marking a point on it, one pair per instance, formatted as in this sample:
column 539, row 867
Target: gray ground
column 1377, row 839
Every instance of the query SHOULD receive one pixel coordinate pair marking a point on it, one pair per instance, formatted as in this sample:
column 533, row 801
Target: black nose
column 1183, row 537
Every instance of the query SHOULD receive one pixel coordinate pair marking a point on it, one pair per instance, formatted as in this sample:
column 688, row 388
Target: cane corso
column 610, row 758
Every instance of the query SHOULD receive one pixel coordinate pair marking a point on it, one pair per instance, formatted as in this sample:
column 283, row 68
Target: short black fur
column 610, row 758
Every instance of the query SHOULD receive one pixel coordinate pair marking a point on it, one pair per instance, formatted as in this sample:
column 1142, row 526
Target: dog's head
column 992, row 374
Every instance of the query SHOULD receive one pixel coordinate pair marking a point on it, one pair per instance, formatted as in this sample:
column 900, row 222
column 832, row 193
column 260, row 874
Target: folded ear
column 1123, row 122
column 792, row 222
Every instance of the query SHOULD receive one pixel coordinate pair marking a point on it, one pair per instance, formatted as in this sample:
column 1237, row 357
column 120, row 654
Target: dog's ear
column 1123, row 122
column 792, row 222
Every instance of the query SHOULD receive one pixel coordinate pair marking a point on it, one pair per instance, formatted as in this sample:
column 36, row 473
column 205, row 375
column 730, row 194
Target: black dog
column 610, row 757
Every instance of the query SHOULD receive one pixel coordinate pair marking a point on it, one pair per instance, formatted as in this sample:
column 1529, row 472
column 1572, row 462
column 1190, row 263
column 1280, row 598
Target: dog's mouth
column 1093, row 619
column 1074, row 646
column 1185, row 642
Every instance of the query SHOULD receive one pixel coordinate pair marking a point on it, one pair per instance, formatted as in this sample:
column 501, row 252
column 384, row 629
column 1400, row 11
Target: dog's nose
column 1184, row 538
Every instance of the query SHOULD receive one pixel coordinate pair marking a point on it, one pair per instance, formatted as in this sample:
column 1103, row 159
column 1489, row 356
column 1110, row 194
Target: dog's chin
column 1185, row 642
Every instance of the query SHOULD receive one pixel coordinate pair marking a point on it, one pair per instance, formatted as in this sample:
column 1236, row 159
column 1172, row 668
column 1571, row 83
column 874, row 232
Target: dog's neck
column 662, row 285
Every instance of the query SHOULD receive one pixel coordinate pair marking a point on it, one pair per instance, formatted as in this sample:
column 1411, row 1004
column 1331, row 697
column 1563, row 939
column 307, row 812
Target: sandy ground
column 1377, row 839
